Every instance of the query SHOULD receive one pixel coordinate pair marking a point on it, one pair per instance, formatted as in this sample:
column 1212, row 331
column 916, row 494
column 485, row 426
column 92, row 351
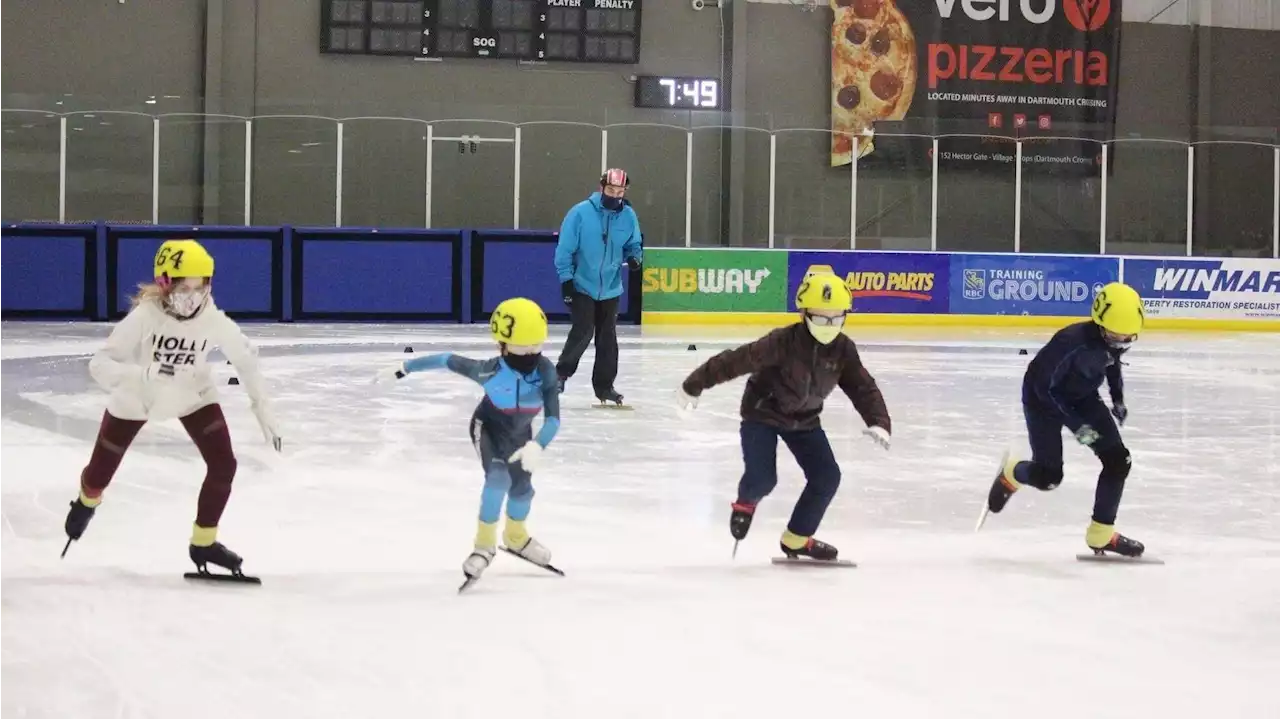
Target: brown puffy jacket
column 791, row 375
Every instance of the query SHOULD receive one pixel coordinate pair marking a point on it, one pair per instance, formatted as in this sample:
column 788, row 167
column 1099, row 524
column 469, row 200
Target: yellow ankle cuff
column 203, row 536
column 486, row 535
column 1009, row 466
column 88, row 501
column 515, row 534
column 790, row 540
column 1099, row 535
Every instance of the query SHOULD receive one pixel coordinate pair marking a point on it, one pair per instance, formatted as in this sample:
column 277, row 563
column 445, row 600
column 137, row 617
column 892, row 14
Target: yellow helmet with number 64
column 1117, row 308
column 178, row 259
column 519, row 322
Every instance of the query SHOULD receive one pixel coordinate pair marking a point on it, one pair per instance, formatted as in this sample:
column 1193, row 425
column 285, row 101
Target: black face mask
column 524, row 364
column 611, row 203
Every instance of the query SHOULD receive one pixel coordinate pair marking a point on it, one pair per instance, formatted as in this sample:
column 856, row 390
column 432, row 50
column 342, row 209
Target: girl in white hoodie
column 155, row 365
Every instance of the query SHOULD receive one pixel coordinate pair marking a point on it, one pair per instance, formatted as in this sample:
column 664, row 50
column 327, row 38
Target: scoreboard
column 552, row 30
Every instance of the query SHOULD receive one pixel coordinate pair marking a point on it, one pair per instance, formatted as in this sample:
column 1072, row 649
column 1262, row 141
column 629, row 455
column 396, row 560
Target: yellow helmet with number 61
column 520, row 322
column 178, row 259
column 824, row 292
column 1117, row 308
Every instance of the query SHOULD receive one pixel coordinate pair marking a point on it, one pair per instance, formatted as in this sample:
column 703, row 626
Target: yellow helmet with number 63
column 177, row 259
column 519, row 322
column 1117, row 308
column 824, row 292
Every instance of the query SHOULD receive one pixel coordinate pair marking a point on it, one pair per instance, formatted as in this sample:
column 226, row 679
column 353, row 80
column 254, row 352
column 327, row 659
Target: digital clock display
column 678, row 93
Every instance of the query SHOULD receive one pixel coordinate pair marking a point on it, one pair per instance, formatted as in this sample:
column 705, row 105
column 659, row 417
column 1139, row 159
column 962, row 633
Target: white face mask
column 824, row 333
column 185, row 301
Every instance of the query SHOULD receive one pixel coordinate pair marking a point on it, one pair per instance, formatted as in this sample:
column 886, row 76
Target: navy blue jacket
column 1068, row 371
column 594, row 244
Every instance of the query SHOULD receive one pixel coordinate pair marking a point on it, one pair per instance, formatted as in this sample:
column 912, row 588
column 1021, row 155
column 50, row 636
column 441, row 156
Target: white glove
column 390, row 374
column 684, row 400
column 270, row 430
column 878, row 435
column 528, row 456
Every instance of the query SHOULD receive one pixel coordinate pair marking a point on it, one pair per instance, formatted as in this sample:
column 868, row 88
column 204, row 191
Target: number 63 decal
column 502, row 331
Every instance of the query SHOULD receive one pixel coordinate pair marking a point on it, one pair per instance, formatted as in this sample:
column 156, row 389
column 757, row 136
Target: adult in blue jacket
column 598, row 236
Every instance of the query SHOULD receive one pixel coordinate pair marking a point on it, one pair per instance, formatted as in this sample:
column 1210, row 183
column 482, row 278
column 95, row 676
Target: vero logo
column 1084, row 15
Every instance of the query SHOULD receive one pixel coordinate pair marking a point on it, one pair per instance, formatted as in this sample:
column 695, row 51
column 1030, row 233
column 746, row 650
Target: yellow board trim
column 782, row 319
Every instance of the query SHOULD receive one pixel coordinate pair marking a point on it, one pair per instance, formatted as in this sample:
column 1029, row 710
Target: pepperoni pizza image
column 873, row 72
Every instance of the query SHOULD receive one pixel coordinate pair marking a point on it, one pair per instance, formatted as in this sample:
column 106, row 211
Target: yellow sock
column 88, row 501
column 486, row 535
column 203, row 536
column 1099, row 535
column 1009, row 464
column 515, row 535
column 791, row 540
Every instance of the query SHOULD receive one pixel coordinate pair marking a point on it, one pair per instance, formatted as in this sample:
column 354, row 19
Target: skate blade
column 547, row 567
column 232, row 578
column 1118, row 559
column 982, row 518
column 807, row 562
column 617, row 407
column 467, row 584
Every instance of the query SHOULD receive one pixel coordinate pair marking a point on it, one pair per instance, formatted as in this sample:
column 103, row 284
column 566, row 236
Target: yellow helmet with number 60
column 824, row 292
column 1117, row 308
column 520, row 322
column 177, row 259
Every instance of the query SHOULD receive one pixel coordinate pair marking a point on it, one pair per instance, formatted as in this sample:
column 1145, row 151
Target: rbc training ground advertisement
column 286, row 273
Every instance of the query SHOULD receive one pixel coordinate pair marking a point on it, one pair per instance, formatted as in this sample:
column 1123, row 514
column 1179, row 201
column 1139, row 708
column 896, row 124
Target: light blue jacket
column 594, row 245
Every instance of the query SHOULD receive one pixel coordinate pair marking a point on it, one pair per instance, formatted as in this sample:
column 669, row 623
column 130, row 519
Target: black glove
column 1120, row 412
column 633, row 263
column 567, row 291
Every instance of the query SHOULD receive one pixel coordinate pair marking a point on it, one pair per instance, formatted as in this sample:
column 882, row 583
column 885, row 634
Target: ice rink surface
column 359, row 530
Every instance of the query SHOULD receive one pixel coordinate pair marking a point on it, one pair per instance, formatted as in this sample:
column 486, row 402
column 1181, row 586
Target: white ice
column 360, row 527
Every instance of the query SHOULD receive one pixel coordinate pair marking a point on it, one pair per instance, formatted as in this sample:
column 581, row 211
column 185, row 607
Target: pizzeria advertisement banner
column 1010, row 68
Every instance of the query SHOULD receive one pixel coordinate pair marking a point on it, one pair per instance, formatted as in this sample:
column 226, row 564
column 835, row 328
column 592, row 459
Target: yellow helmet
column 823, row 292
column 520, row 322
column 177, row 259
column 1118, row 308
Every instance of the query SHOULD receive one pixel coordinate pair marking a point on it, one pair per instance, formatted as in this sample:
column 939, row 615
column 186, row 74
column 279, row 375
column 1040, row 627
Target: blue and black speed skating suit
column 503, row 422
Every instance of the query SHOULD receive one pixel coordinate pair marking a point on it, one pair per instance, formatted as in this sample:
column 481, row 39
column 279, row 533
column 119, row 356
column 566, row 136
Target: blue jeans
column 813, row 453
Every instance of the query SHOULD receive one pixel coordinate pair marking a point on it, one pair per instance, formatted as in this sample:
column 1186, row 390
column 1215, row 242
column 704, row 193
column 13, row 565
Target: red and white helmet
column 615, row 177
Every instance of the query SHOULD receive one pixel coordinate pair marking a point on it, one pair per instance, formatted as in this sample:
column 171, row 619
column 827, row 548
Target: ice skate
column 610, row 399
column 218, row 555
column 810, row 552
column 78, row 519
column 1001, row 489
column 1109, row 544
column 475, row 564
column 740, row 522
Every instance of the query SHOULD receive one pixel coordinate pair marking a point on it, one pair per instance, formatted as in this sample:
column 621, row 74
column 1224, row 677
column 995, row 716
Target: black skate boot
column 609, row 395
column 740, row 522
column 78, row 518
column 1004, row 485
column 813, row 549
column 740, row 519
column 218, row 555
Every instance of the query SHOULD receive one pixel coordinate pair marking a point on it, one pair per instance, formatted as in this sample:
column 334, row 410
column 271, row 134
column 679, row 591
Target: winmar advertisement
column 1011, row 68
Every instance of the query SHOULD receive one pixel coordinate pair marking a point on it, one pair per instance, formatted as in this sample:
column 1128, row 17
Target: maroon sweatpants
column 207, row 428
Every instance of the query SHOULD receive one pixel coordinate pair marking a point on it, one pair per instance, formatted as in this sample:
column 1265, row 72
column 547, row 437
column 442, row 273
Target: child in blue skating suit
column 1060, row 389
column 518, row 385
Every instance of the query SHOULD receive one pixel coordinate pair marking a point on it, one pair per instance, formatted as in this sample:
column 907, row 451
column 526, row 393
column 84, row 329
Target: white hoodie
column 130, row 365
